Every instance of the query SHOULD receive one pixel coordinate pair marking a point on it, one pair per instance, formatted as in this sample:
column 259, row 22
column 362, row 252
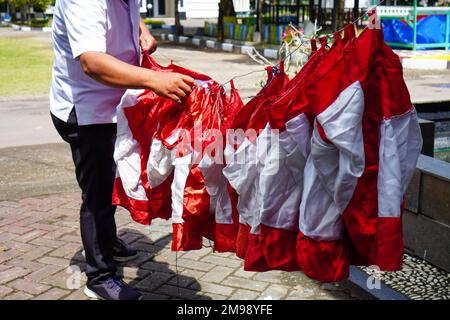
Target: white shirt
column 109, row 26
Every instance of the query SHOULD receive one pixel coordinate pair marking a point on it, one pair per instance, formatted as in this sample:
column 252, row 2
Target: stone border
column 408, row 62
column 16, row 27
column 426, row 218
column 272, row 54
column 208, row 43
column 358, row 282
column 425, row 64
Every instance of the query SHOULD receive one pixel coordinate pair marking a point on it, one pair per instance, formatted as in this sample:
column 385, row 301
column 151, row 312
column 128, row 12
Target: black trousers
column 92, row 152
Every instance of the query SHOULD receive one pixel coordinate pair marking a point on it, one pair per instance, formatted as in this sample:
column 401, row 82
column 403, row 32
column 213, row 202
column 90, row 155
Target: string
column 298, row 48
column 293, row 51
column 176, row 271
column 276, row 69
column 362, row 16
column 164, row 56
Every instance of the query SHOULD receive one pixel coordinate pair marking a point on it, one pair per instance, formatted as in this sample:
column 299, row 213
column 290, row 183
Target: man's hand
column 174, row 86
column 113, row 72
column 146, row 40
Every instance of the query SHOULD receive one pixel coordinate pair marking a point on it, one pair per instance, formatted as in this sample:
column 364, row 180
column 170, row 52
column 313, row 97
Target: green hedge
column 154, row 22
column 40, row 23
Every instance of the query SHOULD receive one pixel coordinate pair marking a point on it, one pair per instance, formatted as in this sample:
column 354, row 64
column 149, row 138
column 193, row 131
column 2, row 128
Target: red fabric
column 184, row 239
column 368, row 239
column 389, row 244
column 279, row 248
column 283, row 108
column 254, row 258
column 252, row 116
column 225, row 237
column 139, row 209
column 329, row 260
column 326, row 261
column 242, row 240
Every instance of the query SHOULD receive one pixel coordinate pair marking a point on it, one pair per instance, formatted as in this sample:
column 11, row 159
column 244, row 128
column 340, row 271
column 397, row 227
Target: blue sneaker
column 113, row 288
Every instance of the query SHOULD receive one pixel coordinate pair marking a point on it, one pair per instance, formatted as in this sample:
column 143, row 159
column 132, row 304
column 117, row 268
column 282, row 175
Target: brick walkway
column 40, row 258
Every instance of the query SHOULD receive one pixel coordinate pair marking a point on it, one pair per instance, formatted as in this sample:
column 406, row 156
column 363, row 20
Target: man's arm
column 113, row 72
column 146, row 40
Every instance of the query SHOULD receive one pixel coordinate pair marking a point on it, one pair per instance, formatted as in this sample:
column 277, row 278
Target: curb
column 16, row 27
column 203, row 43
column 425, row 64
column 358, row 282
column 416, row 62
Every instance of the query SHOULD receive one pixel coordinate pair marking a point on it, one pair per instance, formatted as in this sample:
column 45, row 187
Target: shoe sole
column 117, row 259
column 91, row 294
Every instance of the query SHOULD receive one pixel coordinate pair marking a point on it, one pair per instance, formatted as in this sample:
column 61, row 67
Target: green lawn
column 25, row 66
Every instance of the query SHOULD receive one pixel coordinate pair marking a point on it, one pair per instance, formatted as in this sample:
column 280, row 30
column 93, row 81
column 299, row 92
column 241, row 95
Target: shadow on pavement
column 156, row 280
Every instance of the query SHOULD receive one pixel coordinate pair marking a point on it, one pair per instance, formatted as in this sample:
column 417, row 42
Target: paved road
column 39, row 200
column 40, row 258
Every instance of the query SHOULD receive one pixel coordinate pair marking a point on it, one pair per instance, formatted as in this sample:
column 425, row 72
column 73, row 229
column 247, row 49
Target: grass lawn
column 25, row 66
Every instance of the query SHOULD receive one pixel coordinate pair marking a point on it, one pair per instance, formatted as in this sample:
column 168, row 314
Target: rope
column 296, row 49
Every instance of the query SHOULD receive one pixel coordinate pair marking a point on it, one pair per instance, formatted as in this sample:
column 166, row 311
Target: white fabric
column 242, row 174
column 400, row 146
column 127, row 150
column 332, row 170
column 160, row 163
column 216, row 186
column 182, row 168
column 299, row 140
column 280, row 189
column 80, row 26
column 300, row 131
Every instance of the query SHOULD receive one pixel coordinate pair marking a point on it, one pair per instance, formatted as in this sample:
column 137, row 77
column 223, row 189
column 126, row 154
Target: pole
column 356, row 11
column 277, row 14
column 447, row 30
column 415, row 26
column 257, row 29
column 334, row 17
column 312, row 15
column 319, row 18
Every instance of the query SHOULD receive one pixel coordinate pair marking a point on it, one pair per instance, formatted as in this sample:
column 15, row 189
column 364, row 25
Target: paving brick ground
column 40, row 258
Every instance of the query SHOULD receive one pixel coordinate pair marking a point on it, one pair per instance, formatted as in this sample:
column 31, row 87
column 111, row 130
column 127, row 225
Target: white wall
column 348, row 3
column 201, row 8
column 209, row 8
column 241, row 5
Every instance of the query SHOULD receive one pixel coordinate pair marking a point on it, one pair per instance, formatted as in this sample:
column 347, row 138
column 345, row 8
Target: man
column 97, row 47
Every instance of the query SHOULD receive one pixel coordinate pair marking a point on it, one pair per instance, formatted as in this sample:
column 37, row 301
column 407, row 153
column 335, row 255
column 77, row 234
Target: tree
column 24, row 7
column 338, row 14
column 226, row 9
column 177, row 20
column 259, row 7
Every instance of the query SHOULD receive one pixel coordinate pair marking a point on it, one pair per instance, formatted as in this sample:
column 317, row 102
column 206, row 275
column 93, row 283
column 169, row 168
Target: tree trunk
column 312, row 11
column 177, row 20
column 338, row 14
column 335, row 14
column 226, row 9
column 12, row 10
column 23, row 14
column 356, row 11
column 28, row 14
